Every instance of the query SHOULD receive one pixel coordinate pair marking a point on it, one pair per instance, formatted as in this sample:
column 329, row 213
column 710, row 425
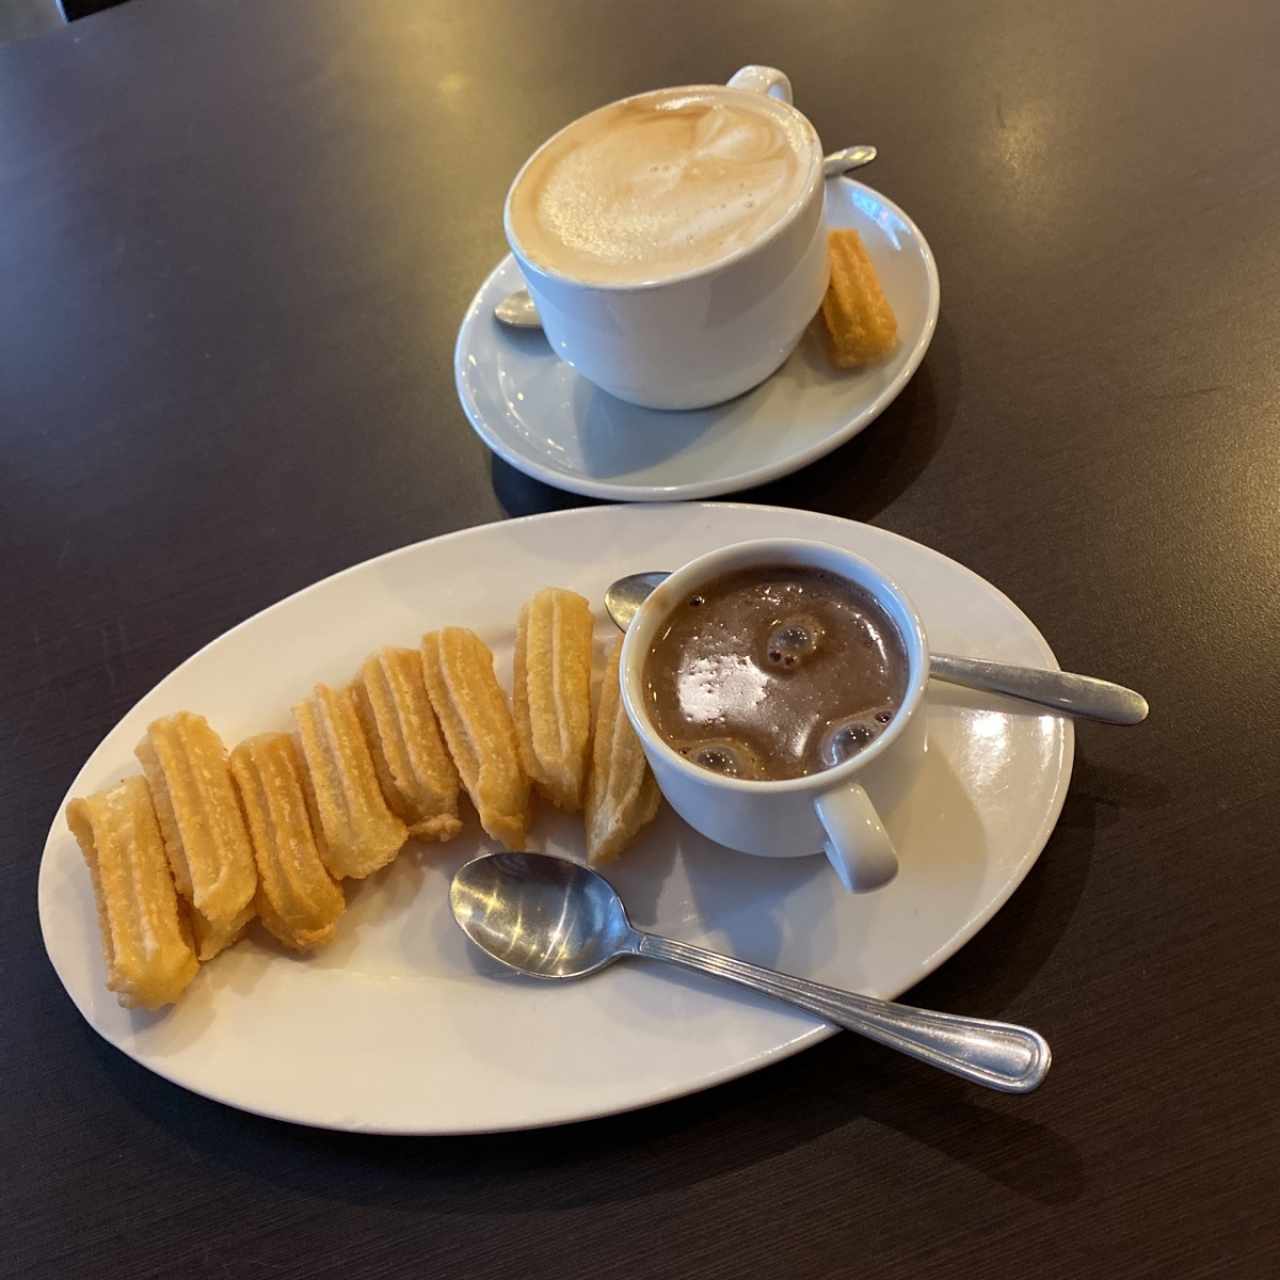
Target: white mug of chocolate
column 777, row 688
column 674, row 241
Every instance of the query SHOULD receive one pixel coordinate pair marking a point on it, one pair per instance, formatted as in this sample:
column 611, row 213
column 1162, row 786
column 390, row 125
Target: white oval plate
column 534, row 411
column 400, row 1026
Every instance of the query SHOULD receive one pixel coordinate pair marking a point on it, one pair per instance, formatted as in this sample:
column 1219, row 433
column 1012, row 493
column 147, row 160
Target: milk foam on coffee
column 661, row 185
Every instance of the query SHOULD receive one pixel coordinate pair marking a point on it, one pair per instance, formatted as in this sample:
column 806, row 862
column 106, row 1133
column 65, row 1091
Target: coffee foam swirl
column 661, row 185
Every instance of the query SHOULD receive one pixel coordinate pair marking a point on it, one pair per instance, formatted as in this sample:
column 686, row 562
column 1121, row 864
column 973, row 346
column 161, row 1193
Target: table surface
column 236, row 238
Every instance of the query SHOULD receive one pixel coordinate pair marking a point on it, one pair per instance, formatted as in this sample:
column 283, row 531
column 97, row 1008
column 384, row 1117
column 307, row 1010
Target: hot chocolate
column 775, row 672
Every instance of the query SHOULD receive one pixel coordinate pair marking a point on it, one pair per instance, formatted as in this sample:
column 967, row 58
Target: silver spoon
column 847, row 160
column 1082, row 696
column 550, row 918
column 520, row 311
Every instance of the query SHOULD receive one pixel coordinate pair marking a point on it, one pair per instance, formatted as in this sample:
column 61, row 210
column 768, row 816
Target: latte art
column 661, row 185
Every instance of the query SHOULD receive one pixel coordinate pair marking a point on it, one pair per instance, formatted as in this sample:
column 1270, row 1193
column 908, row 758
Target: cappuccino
column 662, row 185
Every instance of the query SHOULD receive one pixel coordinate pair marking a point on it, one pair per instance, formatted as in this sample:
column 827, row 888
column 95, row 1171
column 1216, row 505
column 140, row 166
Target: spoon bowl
column 540, row 915
column 623, row 599
column 518, row 311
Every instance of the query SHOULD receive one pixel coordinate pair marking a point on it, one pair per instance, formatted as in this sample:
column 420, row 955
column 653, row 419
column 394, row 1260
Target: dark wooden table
column 236, row 237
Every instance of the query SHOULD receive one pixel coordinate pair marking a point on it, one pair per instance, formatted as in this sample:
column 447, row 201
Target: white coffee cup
column 836, row 811
column 690, row 340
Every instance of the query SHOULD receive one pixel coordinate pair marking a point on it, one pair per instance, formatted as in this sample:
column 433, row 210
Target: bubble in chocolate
column 845, row 738
column 794, row 641
column 721, row 755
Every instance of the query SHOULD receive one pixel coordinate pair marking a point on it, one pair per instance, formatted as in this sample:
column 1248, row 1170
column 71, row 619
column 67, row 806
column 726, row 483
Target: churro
column 477, row 724
column 144, row 938
column 552, row 694
column 203, row 829
column 622, row 795
column 859, row 322
column 298, row 900
column 418, row 780
column 341, row 785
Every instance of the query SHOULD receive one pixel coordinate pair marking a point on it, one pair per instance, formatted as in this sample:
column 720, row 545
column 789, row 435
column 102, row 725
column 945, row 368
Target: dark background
column 236, row 238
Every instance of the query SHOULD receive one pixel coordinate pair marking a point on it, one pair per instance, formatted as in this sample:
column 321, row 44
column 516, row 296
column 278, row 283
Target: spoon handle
column 998, row 1055
column 1083, row 696
column 847, row 160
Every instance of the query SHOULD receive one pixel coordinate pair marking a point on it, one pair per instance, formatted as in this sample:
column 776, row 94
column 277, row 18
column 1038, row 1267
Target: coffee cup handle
column 857, row 845
column 767, row 80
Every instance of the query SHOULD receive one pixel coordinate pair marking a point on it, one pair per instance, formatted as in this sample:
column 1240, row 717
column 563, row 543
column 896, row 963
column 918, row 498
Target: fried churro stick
column 552, row 694
column 203, row 829
column 144, row 938
column 622, row 795
column 298, row 900
column 860, row 323
column 477, row 724
column 360, row 833
column 418, row 780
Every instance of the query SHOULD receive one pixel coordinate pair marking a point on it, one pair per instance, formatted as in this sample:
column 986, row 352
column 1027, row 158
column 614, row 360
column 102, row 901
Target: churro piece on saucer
column 417, row 777
column 298, row 900
column 552, row 694
column 360, row 833
column 144, row 937
column 477, row 724
column 203, row 829
column 860, row 324
column 622, row 795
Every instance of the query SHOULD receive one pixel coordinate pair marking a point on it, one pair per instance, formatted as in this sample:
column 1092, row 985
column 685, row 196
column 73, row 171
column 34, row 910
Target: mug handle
column 857, row 846
column 766, row 80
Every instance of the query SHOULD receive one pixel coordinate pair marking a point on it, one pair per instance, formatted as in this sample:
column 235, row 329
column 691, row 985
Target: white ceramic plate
column 400, row 1026
column 534, row 411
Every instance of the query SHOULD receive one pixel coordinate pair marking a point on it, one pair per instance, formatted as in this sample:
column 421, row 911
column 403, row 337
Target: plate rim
column 618, row 491
column 688, row 1086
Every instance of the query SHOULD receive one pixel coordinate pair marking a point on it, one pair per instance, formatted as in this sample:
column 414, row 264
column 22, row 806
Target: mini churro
column 144, row 938
column 477, row 725
column 298, row 900
column 859, row 322
column 203, row 829
column 360, row 833
column 622, row 795
column 552, row 693
column 418, row 780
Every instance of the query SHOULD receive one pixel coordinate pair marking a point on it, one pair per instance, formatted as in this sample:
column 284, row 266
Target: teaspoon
column 1083, row 696
column 551, row 918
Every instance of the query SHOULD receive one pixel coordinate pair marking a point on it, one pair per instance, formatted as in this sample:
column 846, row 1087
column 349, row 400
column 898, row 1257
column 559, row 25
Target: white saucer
column 534, row 411
column 400, row 1026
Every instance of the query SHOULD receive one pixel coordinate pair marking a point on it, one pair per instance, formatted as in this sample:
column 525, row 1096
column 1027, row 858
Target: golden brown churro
column 203, row 829
column 860, row 323
column 622, row 795
column 360, row 833
column 144, row 937
column 418, row 780
column 477, row 724
column 552, row 693
column 298, row 900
